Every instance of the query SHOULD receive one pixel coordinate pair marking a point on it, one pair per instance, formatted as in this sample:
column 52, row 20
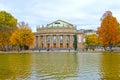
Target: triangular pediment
column 59, row 23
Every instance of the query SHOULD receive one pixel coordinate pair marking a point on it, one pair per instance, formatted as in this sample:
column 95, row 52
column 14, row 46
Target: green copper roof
column 59, row 24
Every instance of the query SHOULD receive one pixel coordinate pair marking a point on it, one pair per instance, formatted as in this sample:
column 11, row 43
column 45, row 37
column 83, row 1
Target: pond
column 60, row 66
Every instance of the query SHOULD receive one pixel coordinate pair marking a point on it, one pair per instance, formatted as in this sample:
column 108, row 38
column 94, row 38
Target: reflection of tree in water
column 15, row 66
column 56, row 66
column 110, row 66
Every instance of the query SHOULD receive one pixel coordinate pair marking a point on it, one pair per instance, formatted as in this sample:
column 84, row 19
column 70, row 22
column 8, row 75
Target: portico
column 54, row 41
column 58, row 34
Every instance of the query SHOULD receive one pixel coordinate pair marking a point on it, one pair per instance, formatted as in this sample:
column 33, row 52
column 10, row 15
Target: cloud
column 83, row 13
column 3, row 7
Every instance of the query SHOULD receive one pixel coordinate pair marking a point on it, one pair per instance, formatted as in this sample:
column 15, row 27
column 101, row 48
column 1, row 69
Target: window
column 61, row 39
column 54, row 39
column 48, row 39
column 67, row 38
column 42, row 39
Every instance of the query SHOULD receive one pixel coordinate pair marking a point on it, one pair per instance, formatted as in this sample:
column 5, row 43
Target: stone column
column 58, row 41
column 39, row 41
column 64, row 41
column 51, row 41
column 36, row 41
column 71, row 41
column 45, row 41
column 42, row 41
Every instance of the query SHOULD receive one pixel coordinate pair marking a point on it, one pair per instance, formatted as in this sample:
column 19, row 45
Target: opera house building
column 58, row 35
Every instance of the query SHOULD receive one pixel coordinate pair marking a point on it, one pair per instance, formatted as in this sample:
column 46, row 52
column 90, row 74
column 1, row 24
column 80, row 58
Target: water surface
column 60, row 66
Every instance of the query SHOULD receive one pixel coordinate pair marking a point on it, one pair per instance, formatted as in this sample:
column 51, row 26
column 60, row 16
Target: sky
column 85, row 14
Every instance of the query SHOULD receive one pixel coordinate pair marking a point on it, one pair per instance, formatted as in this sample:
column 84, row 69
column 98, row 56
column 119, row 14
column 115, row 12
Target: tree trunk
column 110, row 48
column 104, row 48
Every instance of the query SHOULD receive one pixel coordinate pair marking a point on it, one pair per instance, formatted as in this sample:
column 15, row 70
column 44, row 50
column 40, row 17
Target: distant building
column 58, row 34
column 87, row 32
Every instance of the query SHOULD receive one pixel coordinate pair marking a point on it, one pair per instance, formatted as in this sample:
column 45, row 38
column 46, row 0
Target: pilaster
column 58, row 41
column 64, row 41
column 45, row 41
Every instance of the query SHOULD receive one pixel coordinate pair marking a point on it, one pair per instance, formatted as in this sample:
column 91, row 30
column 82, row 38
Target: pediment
column 59, row 23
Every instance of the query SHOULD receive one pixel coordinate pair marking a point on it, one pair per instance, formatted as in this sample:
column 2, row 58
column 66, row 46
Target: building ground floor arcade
column 54, row 41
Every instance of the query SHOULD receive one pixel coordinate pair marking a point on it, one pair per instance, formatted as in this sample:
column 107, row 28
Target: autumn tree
column 7, row 26
column 119, row 36
column 22, row 37
column 4, row 37
column 91, row 40
column 108, row 32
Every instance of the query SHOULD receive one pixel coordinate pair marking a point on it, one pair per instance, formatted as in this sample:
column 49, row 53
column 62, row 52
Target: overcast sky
column 85, row 14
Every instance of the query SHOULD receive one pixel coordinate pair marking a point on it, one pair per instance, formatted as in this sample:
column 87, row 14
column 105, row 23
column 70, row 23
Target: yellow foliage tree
column 22, row 37
column 91, row 40
column 108, row 32
column 15, row 39
column 27, row 36
column 4, row 36
column 7, row 25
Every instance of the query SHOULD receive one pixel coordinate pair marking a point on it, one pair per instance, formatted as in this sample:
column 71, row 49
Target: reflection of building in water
column 56, row 66
column 15, row 66
column 58, row 34
column 110, row 66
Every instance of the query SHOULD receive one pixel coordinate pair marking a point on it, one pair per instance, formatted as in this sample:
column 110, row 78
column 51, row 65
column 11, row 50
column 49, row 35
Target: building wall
column 48, row 39
column 51, row 30
column 80, row 37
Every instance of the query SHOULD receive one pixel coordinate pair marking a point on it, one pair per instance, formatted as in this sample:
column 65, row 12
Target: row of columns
column 39, row 44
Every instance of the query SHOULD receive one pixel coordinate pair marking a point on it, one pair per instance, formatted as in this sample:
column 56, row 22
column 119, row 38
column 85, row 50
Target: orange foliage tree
column 22, row 37
column 108, row 32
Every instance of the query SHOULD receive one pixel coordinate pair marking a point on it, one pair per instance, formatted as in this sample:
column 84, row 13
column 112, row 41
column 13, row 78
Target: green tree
column 6, row 19
column 7, row 25
column 75, row 42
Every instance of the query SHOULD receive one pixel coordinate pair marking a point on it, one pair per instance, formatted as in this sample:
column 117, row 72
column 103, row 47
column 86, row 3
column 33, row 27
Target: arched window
column 42, row 39
column 61, row 39
column 54, row 39
column 48, row 39
column 72, row 38
column 67, row 38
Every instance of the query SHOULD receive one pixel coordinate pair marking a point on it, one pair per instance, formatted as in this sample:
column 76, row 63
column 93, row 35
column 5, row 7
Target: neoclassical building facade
column 58, row 34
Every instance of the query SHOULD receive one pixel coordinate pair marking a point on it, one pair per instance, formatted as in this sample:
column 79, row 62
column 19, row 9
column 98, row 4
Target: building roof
column 60, row 24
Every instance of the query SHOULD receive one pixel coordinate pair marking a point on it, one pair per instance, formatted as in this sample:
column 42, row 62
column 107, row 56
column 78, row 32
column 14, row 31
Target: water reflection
column 88, row 66
column 15, row 66
column 60, row 66
column 55, row 66
column 110, row 66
